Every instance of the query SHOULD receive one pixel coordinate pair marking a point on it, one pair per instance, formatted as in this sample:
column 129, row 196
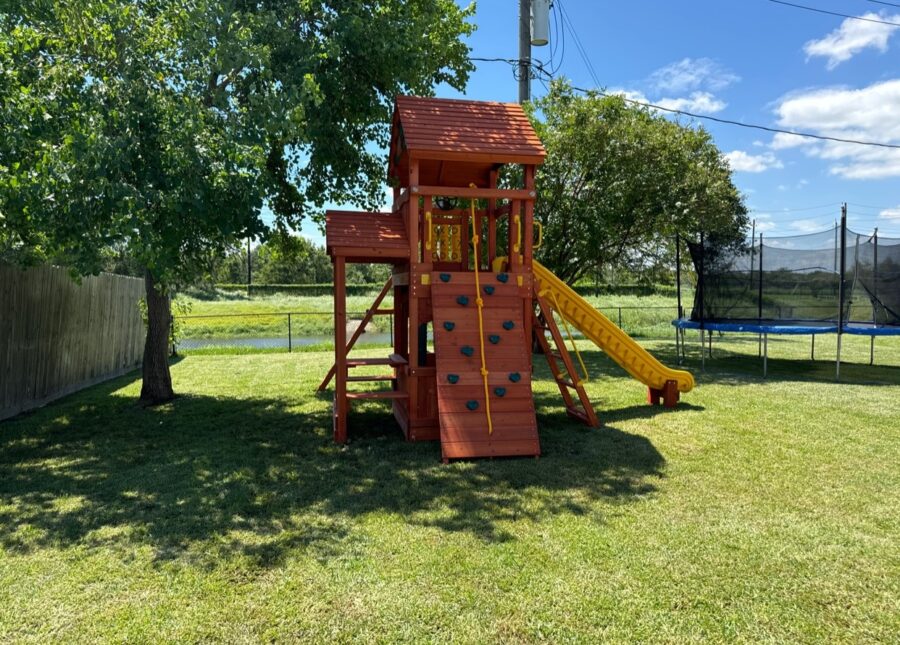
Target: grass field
column 231, row 315
column 756, row 511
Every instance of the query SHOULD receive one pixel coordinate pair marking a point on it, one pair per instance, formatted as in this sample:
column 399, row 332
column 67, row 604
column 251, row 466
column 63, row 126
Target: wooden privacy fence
column 57, row 336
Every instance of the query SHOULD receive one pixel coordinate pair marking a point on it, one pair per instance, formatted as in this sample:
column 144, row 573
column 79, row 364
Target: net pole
column 759, row 297
column 843, row 233
column 678, row 272
column 874, row 298
column 875, row 281
column 752, row 260
column 702, row 279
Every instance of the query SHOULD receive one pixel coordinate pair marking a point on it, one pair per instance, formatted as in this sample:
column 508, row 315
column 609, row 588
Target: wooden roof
column 462, row 130
column 366, row 237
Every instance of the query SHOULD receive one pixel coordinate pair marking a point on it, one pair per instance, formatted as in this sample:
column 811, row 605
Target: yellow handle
column 540, row 241
column 430, row 231
column 518, row 221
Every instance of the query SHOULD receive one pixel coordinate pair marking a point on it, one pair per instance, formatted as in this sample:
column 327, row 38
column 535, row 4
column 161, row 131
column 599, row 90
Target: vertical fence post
column 620, row 318
column 290, row 339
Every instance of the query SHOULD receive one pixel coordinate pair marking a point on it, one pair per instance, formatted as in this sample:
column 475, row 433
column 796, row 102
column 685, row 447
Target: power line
column 774, row 211
column 887, row 4
column 835, row 13
column 581, row 50
column 752, row 126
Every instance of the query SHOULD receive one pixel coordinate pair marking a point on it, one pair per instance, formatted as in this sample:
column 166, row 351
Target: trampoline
column 833, row 282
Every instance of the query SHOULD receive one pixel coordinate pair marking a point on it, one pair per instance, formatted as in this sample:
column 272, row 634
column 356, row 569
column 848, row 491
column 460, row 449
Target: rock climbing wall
column 462, row 407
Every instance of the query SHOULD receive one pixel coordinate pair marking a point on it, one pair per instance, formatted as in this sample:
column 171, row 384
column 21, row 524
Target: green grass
column 234, row 315
column 759, row 510
column 231, row 315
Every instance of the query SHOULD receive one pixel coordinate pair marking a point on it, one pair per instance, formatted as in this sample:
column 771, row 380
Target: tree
column 167, row 126
column 620, row 180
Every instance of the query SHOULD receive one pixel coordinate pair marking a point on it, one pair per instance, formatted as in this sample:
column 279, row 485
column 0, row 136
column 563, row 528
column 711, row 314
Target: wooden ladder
column 561, row 366
column 371, row 312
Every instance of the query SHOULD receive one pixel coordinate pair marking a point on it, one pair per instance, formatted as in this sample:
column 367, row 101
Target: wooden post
column 340, row 351
column 492, row 222
column 412, row 321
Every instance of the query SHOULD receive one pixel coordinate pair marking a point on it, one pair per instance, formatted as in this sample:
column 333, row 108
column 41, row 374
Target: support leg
column 340, row 351
column 765, row 355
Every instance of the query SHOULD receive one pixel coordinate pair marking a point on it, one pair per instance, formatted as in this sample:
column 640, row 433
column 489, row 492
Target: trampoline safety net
column 798, row 279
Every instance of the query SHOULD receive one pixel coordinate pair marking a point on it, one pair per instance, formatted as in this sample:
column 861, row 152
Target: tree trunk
column 157, row 381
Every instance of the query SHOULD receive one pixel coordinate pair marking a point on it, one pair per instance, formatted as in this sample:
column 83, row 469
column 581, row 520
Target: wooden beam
column 473, row 193
column 340, row 354
column 359, row 331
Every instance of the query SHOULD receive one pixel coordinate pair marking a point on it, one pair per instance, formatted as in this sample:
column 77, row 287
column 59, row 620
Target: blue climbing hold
column 467, row 350
column 489, row 289
column 508, row 325
column 500, row 391
column 502, row 277
column 515, row 377
column 449, row 326
column 494, row 338
column 462, row 300
column 453, row 379
column 445, row 277
column 472, row 405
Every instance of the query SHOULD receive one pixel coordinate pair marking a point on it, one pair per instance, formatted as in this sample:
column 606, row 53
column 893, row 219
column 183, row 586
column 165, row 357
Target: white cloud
column 765, row 227
column 852, row 37
column 890, row 213
column 741, row 161
column 870, row 113
column 783, row 141
column 808, row 225
column 692, row 74
column 696, row 102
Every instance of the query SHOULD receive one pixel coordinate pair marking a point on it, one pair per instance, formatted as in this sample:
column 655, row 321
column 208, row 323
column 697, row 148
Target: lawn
column 759, row 510
column 234, row 315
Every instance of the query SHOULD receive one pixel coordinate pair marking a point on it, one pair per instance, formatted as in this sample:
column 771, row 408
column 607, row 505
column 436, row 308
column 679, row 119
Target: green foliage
column 618, row 183
column 166, row 127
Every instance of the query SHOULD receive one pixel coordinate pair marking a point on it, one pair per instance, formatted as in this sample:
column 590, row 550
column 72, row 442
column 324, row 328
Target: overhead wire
column 835, row 13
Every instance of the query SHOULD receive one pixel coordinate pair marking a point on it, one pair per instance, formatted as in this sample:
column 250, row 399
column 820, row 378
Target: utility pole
column 524, row 51
column 249, row 271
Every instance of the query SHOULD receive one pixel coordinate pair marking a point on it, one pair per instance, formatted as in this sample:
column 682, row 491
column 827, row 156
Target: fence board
column 57, row 336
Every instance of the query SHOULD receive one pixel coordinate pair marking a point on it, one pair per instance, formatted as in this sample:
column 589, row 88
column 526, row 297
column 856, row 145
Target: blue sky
column 752, row 61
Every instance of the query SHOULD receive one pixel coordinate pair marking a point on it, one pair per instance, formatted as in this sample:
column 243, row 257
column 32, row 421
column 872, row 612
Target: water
column 278, row 342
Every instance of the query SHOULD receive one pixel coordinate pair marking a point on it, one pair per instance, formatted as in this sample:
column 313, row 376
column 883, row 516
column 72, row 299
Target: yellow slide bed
column 618, row 345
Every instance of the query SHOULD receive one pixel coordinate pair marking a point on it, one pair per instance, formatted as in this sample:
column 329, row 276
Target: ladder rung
column 394, row 360
column 578, row 414
column 385, row 394
column 382, row 312
column 379, row 377
column 568, row 384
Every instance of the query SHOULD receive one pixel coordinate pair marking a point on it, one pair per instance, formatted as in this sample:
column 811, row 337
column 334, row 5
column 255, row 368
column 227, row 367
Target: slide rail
column 619, row 346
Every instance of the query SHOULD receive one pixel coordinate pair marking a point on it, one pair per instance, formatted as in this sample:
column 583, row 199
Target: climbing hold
column 489, row 289
column 515, row 377
column 453, row 379
column 445, row 277
column 508, row 325
column 494, row 338
column 502, row 277
column 500, row 391
column 449, row 325
column 472, row 405
column 462, row 300
column 467, row 350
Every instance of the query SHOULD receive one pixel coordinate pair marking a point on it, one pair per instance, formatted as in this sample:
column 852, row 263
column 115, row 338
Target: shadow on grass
column 213, row 478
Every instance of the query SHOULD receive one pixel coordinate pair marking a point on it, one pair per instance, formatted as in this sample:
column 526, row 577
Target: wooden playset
column 464, row 276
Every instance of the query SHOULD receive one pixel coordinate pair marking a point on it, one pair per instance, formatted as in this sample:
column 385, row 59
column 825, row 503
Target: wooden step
column 384, row 394
column 394, row 360
column 578, row 414
column 378, row 377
